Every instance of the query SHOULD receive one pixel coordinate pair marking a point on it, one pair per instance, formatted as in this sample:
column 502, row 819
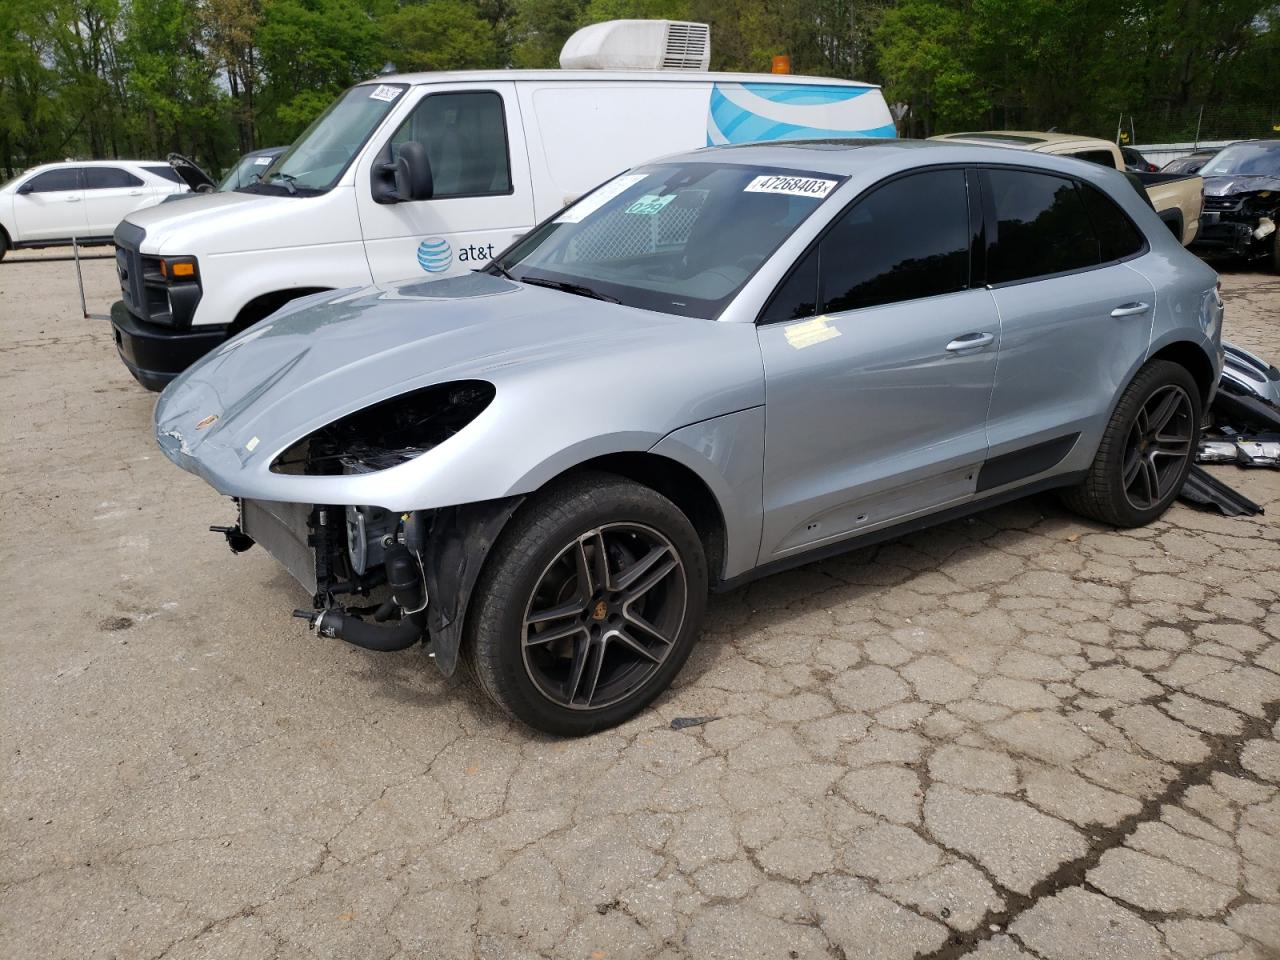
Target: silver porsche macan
column 711, row 368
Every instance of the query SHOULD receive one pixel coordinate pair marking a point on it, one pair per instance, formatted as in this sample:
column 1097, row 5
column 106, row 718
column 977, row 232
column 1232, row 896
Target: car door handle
column 1131, row 309
column 135, row 193
column 73, row 199
column 971, row 341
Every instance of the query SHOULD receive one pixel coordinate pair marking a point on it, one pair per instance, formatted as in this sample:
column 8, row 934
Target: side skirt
column 898, row 530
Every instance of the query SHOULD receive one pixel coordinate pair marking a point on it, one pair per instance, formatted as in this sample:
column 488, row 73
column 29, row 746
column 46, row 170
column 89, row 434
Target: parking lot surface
column 1017, row 735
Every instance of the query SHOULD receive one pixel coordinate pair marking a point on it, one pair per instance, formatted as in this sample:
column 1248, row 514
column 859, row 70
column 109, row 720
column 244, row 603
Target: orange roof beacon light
column 781, row 63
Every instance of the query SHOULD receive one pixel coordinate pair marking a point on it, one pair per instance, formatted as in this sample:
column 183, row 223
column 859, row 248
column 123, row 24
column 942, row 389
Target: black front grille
column 142, row 288
column 1221, row 203
column 128, row 240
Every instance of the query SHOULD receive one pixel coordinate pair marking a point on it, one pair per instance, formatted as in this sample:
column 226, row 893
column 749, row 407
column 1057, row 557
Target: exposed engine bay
column 372, row 573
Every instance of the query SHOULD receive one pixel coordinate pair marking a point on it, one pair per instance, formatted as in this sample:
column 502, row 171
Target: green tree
column 921, row 47
column 439, row 35
column 309, row 51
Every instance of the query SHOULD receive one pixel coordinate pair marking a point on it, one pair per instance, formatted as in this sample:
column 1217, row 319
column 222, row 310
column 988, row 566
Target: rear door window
column 106, row 178
column 54, row 181
column 466, row 139
column 1040, row 226
column 906, row 240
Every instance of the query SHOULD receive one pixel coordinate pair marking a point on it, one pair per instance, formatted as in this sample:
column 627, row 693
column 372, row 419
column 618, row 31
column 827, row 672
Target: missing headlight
column 389, row 432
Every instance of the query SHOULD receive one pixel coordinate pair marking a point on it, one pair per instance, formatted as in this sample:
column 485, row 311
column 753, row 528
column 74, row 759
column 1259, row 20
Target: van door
column 481, row 199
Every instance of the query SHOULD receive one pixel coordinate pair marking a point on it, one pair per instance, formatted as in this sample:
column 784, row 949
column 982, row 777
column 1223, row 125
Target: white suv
column 49, row 205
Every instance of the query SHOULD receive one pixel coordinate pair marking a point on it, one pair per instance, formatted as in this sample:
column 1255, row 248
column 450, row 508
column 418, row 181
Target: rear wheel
column 589, row 606
column 4, row 243
column 1146, row 451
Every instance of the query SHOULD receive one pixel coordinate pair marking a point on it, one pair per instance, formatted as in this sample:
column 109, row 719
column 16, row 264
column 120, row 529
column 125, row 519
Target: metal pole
column 75, row 251
column 1119, row 125
column 1198, row 119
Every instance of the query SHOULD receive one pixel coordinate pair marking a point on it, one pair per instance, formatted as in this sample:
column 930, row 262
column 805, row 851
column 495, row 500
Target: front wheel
column 589, row 605
column 1147, row 449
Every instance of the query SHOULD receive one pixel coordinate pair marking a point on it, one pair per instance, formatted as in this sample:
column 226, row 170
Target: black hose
column 371, row 636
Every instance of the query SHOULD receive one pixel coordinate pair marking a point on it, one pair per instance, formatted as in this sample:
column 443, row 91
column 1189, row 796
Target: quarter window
column 105, row 178
column 1041, row 226
column 1117, row 236
column 53, row 181
column 466, row 139
column 907, row 240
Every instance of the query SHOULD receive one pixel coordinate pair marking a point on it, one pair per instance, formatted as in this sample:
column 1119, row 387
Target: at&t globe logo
column 435, row 255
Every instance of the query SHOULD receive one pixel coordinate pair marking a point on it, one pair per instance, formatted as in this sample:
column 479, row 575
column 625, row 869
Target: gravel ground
column 1019, row 735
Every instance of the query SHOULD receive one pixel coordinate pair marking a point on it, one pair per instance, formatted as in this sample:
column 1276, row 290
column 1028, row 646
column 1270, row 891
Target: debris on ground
column 680, row 723
column 1202, row 489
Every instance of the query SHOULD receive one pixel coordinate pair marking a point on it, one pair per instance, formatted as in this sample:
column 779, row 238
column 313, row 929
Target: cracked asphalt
column 1018, row 735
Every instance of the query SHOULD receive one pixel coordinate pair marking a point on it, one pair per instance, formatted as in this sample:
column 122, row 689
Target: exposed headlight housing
column 388, row 433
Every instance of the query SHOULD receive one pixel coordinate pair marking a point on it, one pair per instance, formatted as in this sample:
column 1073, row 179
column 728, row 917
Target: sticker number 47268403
column 790, row 185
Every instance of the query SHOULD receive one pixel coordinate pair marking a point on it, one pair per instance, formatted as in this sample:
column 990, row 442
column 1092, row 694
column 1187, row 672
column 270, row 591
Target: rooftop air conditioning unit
column 639, row 45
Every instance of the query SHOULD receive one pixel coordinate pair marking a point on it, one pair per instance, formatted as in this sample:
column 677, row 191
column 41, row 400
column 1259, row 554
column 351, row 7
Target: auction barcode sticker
column 791, row 186
column 384, row 92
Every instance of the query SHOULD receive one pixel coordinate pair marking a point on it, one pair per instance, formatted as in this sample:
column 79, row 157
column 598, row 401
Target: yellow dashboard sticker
column 806, row 334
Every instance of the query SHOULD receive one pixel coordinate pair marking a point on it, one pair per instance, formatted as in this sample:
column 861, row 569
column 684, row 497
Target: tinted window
column 66, row 178
column 466, row 139
column 1117, row 236
column 165, row 173
column 1041, row 226
column 1102, row 157
column 908, row 239
column 103, row 178
column 797, row 298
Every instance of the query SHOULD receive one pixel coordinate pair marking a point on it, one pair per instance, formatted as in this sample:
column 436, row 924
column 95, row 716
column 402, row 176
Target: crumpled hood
column 1231, row 185
column 562, row 365
column 208, row 218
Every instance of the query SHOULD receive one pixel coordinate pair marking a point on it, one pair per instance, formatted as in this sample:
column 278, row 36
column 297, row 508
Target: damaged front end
column 380, row 579
column 1240, row 217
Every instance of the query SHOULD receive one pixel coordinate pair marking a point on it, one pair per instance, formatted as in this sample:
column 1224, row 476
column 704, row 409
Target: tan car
column 1176, row 197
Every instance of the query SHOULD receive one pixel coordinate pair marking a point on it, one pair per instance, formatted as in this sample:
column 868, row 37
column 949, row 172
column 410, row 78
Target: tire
column 4, row 243
column 1275, row 251
column 1127, row 448
column 590, row 675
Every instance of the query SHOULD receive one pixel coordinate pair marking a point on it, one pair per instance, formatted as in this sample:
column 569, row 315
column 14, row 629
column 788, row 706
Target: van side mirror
column 413, row 172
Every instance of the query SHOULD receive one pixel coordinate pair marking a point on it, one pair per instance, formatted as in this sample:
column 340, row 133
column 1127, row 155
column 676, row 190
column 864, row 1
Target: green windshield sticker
column 650, row 204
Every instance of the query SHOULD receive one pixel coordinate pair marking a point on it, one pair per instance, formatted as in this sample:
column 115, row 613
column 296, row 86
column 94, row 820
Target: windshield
column 326, row 148
column 676, row 238
column 1261, row 159
column 246, row 171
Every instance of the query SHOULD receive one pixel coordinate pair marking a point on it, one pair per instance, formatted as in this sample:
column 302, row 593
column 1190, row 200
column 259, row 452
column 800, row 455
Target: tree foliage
column 212, row 78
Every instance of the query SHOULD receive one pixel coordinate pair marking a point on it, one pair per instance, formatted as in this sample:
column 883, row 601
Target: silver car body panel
column 802, row 447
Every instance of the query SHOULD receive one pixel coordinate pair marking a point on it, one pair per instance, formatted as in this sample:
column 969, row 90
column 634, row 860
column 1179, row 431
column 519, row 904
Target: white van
column 432, row 174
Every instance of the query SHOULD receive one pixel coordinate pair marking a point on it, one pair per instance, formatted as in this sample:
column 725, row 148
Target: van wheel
column 589, row 605
column 1147, row 449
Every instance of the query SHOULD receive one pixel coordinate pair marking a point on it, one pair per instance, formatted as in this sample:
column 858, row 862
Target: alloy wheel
column 604, row 616
column 1158, row 447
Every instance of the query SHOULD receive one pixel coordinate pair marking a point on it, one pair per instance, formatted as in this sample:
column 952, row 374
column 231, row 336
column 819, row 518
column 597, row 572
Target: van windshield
column 326, row 148
column 675, row 238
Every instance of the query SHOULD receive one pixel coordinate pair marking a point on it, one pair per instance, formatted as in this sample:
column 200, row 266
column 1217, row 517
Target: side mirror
column 413, row 172
column 26, row 188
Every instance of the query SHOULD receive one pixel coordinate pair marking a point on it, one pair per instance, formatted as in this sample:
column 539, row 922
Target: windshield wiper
column 502, row 271
column 575, row 288
column 286, row 178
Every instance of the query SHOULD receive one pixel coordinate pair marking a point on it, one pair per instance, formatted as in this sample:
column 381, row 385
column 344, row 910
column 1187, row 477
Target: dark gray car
column 717, row 366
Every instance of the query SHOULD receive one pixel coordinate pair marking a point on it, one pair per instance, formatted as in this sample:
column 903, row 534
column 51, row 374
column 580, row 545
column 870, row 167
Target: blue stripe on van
column 736, row 124
column 806, row 95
